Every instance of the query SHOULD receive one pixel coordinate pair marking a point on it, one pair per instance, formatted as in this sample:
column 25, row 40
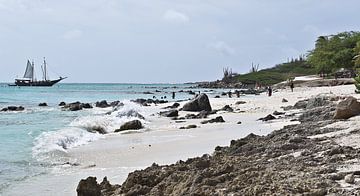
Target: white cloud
column 73, row 34
column 222, row 47
column 175, row 16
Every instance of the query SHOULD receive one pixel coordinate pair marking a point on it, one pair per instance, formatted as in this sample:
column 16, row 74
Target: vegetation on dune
column 331, row 53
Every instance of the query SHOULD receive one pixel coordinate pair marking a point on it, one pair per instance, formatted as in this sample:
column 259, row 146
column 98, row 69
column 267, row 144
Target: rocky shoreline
column 289, row 161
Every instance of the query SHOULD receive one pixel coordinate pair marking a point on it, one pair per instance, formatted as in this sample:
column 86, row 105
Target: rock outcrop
column 199, row 103
column 13, row 109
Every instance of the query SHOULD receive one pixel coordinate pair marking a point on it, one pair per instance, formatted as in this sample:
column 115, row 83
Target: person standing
column 292, row 86
column 269, row 91
column 173, row 95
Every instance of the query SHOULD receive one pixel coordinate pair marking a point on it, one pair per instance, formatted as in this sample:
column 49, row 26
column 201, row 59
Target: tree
column 334, row 51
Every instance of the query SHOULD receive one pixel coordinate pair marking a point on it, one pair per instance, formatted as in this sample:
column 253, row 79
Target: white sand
column 164, row 143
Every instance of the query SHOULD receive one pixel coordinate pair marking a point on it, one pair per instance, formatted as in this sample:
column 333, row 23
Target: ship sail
column 29, row 72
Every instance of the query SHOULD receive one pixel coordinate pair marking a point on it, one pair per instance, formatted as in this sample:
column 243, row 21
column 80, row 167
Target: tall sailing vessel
column 30, row 80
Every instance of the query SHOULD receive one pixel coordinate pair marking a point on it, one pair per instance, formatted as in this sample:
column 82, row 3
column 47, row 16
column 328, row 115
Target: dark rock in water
column 131, row 125
column 200, row 103
column 170, row 113
column 218, row 119
column 148, row 93
column 73, row 106
column 13, row 109
column 131, row 113
column 284, row 100
column 227, row 108
column 240, row 102
column 43, row 104
column 189, row 127
column 116, row 103
column 86, row 105
column 62, row 103
column 223, row 94
column 278, row 113
column 239, row 122
column 102, row 104
column 267, row 118
column 145, row 102
column 348, row 108
column 97, row 129
column 217, row 96
column 88, row 187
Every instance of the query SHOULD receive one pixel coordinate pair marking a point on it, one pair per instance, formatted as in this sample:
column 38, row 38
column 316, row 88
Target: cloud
column 222, row 47
column 72, row 34
column 175, row 16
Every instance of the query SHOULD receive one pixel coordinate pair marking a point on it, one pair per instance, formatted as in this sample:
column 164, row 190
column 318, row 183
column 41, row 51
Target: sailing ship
column 30, row 80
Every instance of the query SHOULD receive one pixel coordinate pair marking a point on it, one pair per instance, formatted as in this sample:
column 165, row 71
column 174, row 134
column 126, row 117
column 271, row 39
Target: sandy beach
column 162, row 142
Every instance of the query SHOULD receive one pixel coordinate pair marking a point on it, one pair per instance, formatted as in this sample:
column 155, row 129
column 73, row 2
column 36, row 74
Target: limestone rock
column 131, row 125
column 348, row 108
column 88, row 187
column 200, row 103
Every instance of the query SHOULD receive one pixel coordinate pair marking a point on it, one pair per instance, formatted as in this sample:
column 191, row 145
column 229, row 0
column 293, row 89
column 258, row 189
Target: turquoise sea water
column 31, row 140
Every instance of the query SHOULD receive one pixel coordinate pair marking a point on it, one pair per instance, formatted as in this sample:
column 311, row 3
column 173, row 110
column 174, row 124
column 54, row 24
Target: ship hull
column 37, row 83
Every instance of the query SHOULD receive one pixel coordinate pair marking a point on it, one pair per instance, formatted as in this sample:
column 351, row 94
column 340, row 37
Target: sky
column 162, row 41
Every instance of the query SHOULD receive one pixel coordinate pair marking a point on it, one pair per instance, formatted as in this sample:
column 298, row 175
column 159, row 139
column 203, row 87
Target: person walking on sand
column 269, row 91
column 292, row 86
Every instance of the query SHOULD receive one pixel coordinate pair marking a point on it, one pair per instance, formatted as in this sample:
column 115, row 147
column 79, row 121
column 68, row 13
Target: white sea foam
column 50, row 144
column 54, row 144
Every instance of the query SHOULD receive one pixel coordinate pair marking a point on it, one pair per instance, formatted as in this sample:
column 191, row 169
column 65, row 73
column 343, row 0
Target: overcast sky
column 151, row 41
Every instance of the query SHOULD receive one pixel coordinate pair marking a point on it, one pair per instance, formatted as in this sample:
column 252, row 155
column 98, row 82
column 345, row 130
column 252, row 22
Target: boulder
column 284, row 100
column 43, row 104
column 170, row 113
column 173, row 106
column 131, row 125
column 349, row 179
column 227, row 108
column 267, row 118
column 88, row 187
column 200, row 103
column 102, row 104
column 62, row 103
column 218, row 119
column 348, row 108
column 86, row 105
column 74, row 106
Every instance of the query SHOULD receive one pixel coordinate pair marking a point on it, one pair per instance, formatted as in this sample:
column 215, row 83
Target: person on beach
column 173, row 95
column 237, row 93
column 229, row 93
column 292, row 86
column 269, row 91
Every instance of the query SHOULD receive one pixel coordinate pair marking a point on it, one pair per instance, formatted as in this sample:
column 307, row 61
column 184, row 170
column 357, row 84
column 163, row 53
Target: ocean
column 35, row 140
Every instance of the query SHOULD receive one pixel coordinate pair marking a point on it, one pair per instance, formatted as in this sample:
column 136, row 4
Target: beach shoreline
column 162, row 142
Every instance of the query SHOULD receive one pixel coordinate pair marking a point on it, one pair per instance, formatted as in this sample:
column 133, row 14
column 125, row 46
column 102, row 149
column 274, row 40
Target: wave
column 53, row 145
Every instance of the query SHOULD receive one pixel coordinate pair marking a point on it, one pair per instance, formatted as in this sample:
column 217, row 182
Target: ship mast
column 45, row 72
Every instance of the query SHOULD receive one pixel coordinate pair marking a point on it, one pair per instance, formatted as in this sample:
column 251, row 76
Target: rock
column 88, row 187
column 200, row 103
column 62, row 103
column 86, row 105
column 276, row 113
column 348, row 108
column 102, row 104
column 267, row 118
column 239, row 122
column 76, row 106
column 13, row 108
column 116, row 103
column 227, row 108
column 240, row 102
column 170, row 113
column 350, row 179
column 189, row 127
column 217, row 96
column 131, row 125
column 173, row 106
column 218, row 119
column 43, row 104
column 97, row 129
column 284, row 100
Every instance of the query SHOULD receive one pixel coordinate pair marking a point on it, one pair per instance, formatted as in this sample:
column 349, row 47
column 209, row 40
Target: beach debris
column 43, row 104
column 13, row 108
column 348, row 108
column 240, row 102
column 218, row 119
column 227, row 108
column 284, row 100
column 189, row 127
column 131, row 125
column 88, row 187
column 200, row 103
column 267, row 118
column 170, row 113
